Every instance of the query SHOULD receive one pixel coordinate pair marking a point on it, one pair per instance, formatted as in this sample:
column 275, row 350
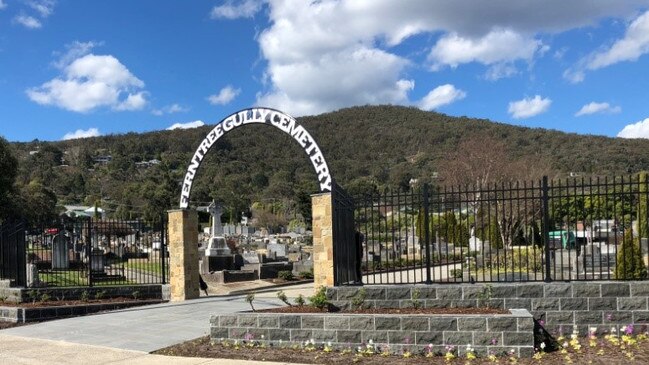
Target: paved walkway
column 126, row 336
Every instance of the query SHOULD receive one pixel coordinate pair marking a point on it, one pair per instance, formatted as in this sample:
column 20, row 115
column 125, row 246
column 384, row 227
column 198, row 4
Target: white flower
column 312, row 341
column 542, row 345
column 565, row 344
column 360, row 349
column 623, row 329
column 370, row 342
column 613, row 330
column 328, row 343
column 262, row 337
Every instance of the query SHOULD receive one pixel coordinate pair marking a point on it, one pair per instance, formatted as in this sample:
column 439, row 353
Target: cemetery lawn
column 604, row 352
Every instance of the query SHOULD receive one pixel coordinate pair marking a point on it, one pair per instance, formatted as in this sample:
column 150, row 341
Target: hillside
column 381, row 146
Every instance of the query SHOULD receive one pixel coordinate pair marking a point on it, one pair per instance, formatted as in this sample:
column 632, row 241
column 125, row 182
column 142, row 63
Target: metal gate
column 12, row 252
column 347, row 249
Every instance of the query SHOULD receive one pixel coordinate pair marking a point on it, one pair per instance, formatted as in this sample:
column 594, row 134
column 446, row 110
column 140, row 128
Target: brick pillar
column 323, row 257
column 183, row 254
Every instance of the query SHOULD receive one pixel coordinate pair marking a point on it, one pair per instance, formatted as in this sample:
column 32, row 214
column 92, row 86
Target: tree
column 483, row 162
column 38, row 203
column 629, row 263
column 9, row 169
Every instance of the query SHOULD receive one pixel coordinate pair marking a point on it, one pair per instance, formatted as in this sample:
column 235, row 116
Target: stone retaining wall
column 21, row 295
column 560, row 305
column 496, row 333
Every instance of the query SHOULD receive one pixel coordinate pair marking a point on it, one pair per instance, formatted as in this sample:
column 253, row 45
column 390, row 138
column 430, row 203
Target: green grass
column 153, row 267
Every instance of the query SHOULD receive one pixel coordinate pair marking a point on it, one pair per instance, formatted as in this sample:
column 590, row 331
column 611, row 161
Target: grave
column 60, row 257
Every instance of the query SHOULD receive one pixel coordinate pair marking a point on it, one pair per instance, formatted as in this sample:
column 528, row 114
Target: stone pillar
column 323, row 256
column 183, row 254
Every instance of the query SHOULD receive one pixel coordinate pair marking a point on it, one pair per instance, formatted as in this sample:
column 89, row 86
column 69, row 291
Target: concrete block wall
column 21, row 295
column 560, row 305
column 496, row 333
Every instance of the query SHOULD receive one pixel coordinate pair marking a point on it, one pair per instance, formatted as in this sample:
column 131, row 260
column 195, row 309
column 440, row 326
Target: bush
column 457, row 273
column 306, row 274
column 285, row 275
column 319, row 299
column 629, row 264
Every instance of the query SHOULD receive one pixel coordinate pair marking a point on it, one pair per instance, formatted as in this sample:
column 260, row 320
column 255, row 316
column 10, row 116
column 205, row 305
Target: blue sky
column 82, row 68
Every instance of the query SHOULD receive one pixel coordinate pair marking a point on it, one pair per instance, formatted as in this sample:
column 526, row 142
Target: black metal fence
column 12, row 252
column 346, row 247
column 570, row 229
column 86, row 252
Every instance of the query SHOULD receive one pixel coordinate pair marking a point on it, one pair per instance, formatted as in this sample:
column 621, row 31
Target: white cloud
column 245, row 9
column 170, row 109
column 226, row 95
column 441, row 95
column 27, row 21
column 90, row 82
column 327, row 54
column 75, row 50
column 43, row 7
column 634, row 44
column 637, row 130
column 529, row 107
column 496, row 47
column 593, row 107
column 80, row 133
column 2, row 5
column 188, row 125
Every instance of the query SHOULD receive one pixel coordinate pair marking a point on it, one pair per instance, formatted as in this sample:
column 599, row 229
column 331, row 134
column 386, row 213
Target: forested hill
column 372, row 145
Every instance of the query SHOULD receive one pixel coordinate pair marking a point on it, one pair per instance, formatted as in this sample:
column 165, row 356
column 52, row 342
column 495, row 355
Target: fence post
column 427, row 235
column 163, row 249
column 89, row 251
column 546, row 227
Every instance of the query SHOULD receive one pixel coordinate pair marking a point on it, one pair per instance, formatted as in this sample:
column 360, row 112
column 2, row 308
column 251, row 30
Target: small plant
column 45, row 297
column 251, row 298
column 416, row 294
column 136, row 294
column 3, row 298
column 300, row 300
column 457, row 273
column 33, row 295
column 307, row 275
column 281, row 296
column 486, row 294
column 319, row 299
column 100, row 294
column 285, row 275
column 359, row 299
column 84, row 296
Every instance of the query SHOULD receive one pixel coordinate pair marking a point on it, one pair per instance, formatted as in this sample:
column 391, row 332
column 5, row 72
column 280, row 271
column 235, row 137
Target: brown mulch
column 310, row 309
column 57, row 303
column 4, row 325
column 201, row 347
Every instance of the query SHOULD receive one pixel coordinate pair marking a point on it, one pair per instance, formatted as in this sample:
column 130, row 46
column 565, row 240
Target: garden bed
column 36, row 312
column 411, row 310
column 604, row 350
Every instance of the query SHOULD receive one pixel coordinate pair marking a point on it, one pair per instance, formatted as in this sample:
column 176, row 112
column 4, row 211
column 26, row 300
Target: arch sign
column 277, row 119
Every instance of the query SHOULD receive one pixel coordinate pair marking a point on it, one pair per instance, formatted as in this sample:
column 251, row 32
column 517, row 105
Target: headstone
column 475, row 244
column 279, row 249
column 32, row 276
column 60, row 258
column 216, row 244
column 251, row 258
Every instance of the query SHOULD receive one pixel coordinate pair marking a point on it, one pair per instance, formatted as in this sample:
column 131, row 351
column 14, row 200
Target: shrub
column 306, row 274
column 457, row 273
column 281, row 296
column 629, row 264
column 285, row 275
column 300, row 300
column 319, row 299
column 251, row 298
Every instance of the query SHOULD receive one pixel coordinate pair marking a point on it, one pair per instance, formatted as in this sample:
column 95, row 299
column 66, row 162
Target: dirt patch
column 4, row 325
column 310, row 309
column 604, row 353
column 58, row 303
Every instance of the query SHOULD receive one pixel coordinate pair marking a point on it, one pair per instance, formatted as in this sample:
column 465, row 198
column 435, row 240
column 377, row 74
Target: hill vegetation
column 260, row 168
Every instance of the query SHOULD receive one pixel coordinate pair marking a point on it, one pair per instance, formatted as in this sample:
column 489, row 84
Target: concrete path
column 151, row 327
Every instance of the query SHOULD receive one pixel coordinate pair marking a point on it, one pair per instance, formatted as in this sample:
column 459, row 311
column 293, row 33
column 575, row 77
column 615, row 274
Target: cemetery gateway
column 275, row 118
